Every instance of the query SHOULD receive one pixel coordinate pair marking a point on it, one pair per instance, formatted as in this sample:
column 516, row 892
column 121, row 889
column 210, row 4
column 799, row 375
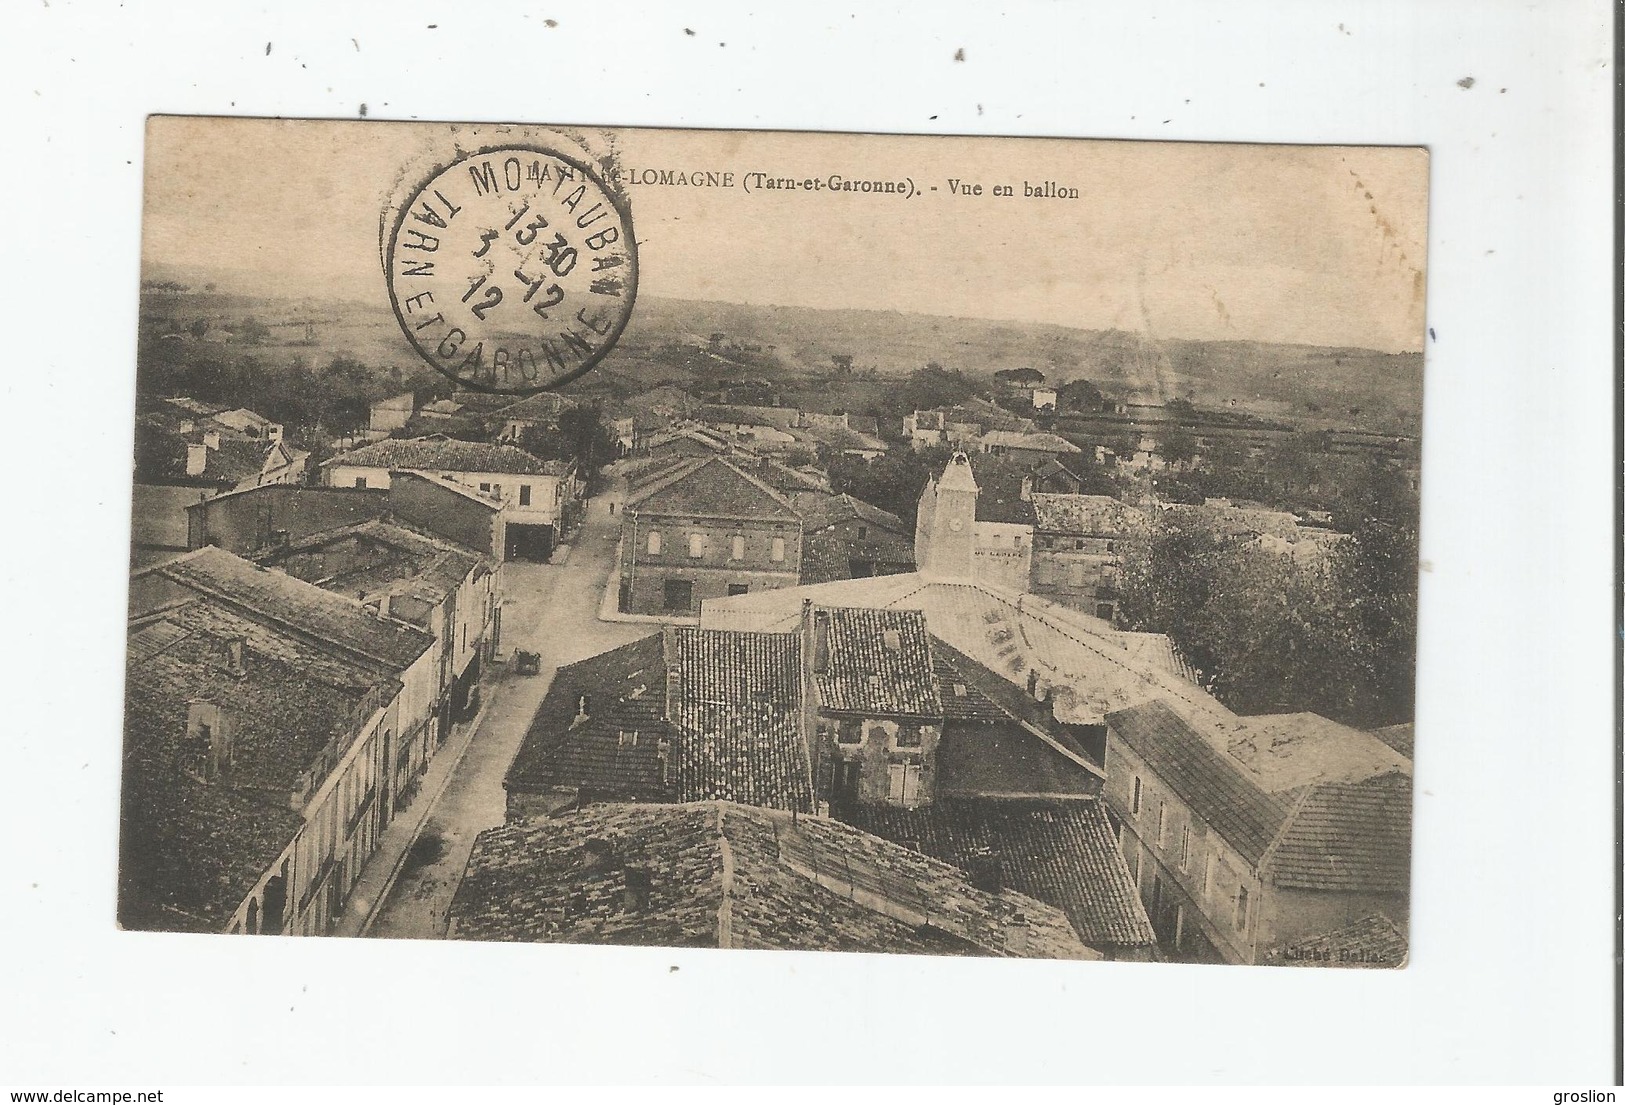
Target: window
column 1241, row 907
column 863, row 531
column 524, row 494
column 485, row 487
column 738, row 550
column 1162, row 823
column 627, row 739
column 903, row 783
column 851, row 732
column 361, row 481
column 696, row 545
column 909, row 736
column 654, row 542
column 1134, row 801
column 1185, row 848
column 778, row 549
column 1207, row 875
column 738, row 588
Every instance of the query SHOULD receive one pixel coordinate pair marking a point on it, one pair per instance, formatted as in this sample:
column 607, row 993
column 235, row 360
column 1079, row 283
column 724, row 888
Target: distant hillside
column 791, row 346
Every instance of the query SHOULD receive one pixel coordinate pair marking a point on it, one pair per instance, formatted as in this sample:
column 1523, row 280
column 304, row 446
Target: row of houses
column 281, row 707
column 957, row 712
column 921, row 720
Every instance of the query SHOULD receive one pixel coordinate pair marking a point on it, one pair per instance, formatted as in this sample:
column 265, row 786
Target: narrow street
column 551, row 609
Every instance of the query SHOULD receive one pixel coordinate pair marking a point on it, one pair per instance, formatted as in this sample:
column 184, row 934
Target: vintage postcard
column 942, row 545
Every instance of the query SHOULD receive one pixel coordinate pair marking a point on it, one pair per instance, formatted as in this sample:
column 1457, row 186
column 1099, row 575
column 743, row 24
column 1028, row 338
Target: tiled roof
column 999, row 500
column 691, row 433
column 1235, row 521
column 782, row 418
column 878, row 662
column 1202, row 777
column 737, row 712
column 1401, row 738
column 1087, row 514
column 295, row 605
column 1348, row 836
column 724, row 875
column 1283, row 752
column 191, row 851
column 626, row 690
column 544, row 405
column 1013, row 634
column 375, row 557
column 820, row 510
column 1372, row 941
column 735, row 731
column 444, row 454
column 712, row 489
column 1002, row 743
column 1046, row 442
column 1062, row 853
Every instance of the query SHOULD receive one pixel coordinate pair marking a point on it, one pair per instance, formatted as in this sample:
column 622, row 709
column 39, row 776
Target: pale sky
column 1315, row 244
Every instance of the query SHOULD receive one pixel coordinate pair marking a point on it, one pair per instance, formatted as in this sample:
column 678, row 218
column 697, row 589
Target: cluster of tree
column 581, row 436
column 1271, row 633
column 894, row 481
column 1301, row 474
column 1017, row 377
column 334, row 398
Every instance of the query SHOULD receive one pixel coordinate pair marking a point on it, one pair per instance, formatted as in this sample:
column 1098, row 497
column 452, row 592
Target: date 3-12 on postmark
column 512, row 269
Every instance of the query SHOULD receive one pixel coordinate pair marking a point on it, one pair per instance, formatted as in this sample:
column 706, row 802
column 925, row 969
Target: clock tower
column 945, row 526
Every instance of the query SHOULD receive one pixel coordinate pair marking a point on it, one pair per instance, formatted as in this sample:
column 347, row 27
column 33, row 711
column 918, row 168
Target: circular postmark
column 512, row 269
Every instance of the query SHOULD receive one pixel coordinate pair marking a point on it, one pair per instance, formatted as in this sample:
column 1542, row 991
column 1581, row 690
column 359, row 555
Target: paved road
column 550, row 609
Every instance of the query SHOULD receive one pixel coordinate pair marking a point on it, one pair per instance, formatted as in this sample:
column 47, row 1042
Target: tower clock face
column 955, row 524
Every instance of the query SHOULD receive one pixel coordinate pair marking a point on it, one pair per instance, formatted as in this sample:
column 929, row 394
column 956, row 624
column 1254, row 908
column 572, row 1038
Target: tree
column 1176, row 445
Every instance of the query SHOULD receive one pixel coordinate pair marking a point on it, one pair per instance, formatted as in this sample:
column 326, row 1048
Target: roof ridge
column 1291, row 819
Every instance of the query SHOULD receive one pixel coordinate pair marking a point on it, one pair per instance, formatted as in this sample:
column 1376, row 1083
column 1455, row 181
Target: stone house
column 704, row 529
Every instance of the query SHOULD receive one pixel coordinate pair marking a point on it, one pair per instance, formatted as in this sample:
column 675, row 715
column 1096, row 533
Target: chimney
column 1027, row 488
column 187, row 426
column 635, row 895
column 674, row 673
column 820, row 644
column 986, row 870
column 273, row 433
column 207, row 733
column 598, row 855
column 197, row 458
column 234, row 656
column 211, row 439
column 663, row 755
column 583, row 707
column 1032, row 682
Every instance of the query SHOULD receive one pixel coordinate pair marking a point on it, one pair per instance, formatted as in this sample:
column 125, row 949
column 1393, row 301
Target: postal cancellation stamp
column 513, row 269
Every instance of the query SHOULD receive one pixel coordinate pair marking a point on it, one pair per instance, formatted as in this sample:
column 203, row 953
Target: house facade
column 1236, row 857
column 705, row 529
column 541, row 497
column 1077, row 554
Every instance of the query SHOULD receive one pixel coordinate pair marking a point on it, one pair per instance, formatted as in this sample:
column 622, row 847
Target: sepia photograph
column 735, row 539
